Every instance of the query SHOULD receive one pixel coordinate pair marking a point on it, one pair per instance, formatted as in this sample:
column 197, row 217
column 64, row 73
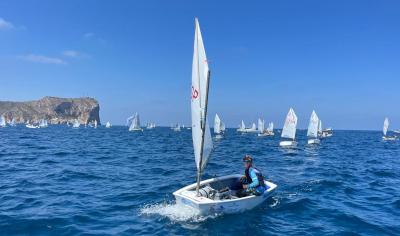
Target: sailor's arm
column 254, row 180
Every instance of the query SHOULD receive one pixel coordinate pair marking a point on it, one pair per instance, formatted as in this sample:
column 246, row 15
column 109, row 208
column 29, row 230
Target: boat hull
column 205, row 206
column 288, row 143
column 389, row 138
column 313, row 141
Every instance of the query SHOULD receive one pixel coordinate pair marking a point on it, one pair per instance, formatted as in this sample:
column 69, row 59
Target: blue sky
column 340, row 58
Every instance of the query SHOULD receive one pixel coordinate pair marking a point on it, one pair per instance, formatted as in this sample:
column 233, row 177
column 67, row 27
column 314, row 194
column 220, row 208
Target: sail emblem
column 195, row 93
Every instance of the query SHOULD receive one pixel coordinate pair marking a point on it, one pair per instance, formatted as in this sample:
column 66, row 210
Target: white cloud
column 70, row 53
column 5, row 24
column 42, row 59
column 74, row 54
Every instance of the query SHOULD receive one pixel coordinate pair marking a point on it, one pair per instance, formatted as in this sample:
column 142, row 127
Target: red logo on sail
column 195, row 93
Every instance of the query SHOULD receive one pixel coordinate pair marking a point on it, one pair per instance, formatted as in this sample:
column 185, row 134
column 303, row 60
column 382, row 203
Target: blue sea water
column 63, row 181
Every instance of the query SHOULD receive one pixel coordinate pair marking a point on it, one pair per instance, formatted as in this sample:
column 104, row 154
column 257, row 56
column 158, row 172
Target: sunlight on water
column 174, row 212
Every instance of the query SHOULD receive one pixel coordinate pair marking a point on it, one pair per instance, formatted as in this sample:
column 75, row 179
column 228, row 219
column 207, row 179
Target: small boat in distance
column 76, row 124
column 95, row 124
column 108, row 124
column 289, row 130
column 30, row 125
column 134, row 123
column 219, row 127
column 43, row 123
column 385, row 130
column 312, row 131
column 150, row 125
column 243, row 129
column 176, row 128
column 12, row 122
column 328, row 132
column 3, row 123
column 216, row 195
column 266, row 132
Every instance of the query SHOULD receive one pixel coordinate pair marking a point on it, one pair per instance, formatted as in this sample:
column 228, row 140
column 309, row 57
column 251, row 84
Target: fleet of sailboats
column 242, row 128
column 289, row 130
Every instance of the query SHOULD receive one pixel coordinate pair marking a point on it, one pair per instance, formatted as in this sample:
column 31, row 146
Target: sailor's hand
column 244, row 186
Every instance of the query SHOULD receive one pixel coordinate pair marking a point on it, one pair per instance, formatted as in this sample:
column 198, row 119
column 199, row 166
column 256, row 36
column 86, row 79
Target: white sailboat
column 176, row 128
column 95, row 124
column 269, row 131
column 134, row 123
column 76, row 124
column 205, row 196
column 43, row 123
column 219, row 127
column 12, row 122
column 385, row 130
column 3, row 122
column 242, row 127
column 324, row 133
column 289, row 130
column 150, row 125
column 108, row 124
column 312, row 131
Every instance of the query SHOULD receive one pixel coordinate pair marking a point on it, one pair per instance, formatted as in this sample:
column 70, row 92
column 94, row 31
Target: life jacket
column 258, row 174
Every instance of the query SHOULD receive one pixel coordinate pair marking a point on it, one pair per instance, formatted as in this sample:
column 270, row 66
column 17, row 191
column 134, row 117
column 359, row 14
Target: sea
column 86, row 181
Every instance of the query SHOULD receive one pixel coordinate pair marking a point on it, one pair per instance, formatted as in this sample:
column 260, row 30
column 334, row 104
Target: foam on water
column 174, row 212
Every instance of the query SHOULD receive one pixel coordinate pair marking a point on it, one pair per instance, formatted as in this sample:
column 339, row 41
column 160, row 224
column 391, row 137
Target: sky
column 341, row 58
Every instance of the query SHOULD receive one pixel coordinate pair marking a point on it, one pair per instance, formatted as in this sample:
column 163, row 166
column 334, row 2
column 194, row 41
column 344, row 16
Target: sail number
column 195, row 93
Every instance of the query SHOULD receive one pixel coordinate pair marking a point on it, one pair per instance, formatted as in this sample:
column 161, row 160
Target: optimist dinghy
column 385, row 130
column 219, row 127
column 216, row 195
column 289, row 130
column 312, row 131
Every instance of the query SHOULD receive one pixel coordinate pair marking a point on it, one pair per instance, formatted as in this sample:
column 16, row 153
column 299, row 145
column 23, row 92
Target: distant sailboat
column 134, row 123
column 385, row 130
column 12, row 122
column 266, row 132
column 3, row 122
column 30, row 125
column 289, row 129
column 76, row 124
column 176, row 128
column 312, row 131
column 95, row 124
column 207, row 196
column 108, row 124
column 43, row 123
column 242, row 127
column 150, row 125
column 219, row 127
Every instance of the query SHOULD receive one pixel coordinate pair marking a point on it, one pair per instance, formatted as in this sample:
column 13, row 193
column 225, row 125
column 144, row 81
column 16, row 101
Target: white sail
column 320, row 126
column 95, row 123
column 134, row 122
column 222, row 126
column 217, row 124
column 242, row 126
column 270, row 127
column 385, row 126
column 202, row 142
column 3, row 121
column 76, row 124
column 13, row 123
column 108, row 124
column 260, row 125
column 253, row 127
column 289, row 129
column 312, row 130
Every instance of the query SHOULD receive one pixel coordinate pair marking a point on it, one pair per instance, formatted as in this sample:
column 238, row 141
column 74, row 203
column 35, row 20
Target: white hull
column 288, row 143
column 247, row 130
column 176, row 129
column 136, row 129
column 313, row 141
column 32, row 126
column 266, row 134
column 187, row 196
column 389, row 138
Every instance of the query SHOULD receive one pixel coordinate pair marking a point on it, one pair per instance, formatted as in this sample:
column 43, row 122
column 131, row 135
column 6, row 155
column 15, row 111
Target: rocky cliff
column 55, row 110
